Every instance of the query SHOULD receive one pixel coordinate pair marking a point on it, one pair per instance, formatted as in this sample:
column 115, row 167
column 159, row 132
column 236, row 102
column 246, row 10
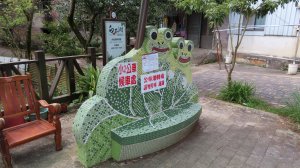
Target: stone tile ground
column 274, row 86
column 226, row 135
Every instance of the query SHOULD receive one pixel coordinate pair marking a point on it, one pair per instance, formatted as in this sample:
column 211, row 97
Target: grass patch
column 260, row 104
column 244, row 94
column 292, row 109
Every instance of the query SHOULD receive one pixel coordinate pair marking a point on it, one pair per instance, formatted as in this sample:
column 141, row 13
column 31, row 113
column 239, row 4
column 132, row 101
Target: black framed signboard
column 114, row 39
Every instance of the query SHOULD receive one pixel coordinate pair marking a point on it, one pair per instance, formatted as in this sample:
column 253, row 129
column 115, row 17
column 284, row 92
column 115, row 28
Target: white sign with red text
column 127, row 74
column 153, row 81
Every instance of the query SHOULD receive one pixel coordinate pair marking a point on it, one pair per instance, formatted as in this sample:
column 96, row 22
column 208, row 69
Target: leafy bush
column 87, row 84
column 237, row 92
column 292, row 109
column 58, row 40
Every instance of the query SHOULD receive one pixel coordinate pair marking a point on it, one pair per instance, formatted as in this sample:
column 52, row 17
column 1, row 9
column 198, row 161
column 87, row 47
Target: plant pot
column 228, row 59
column 293, row 68
column 43, row 115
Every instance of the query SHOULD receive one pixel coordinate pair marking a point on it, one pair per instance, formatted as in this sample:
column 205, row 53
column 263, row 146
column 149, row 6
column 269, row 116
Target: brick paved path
column 227, row 135
column 274, row 86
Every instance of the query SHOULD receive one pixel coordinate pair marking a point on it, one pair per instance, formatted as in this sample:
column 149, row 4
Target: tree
column 218, row 10
column 84, row 16
column 13, row 15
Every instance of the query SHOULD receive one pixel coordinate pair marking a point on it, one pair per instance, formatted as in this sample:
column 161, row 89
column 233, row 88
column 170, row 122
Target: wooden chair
column 18, row 100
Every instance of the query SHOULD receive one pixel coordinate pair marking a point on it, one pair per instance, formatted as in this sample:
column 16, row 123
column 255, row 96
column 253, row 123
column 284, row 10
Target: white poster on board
column 115, row 38
column 150, row 62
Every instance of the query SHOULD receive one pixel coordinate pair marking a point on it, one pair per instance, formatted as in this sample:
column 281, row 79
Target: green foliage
column 237, row 92
column 88, row 83
column 13, row 15
column 12, row 12
column 129, row 11
column 292, row 109
column 126, row 10
column 258, row 103
column 59, row 41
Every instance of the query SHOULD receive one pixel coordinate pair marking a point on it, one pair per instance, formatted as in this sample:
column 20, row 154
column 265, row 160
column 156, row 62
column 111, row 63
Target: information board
column 114, row 39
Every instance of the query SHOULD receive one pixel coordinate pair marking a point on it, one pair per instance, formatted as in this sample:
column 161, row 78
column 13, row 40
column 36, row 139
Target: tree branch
column 92, row 29
column 73, row 26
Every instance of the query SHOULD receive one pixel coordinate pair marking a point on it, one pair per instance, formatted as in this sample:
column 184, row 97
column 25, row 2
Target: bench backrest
column 17, row 98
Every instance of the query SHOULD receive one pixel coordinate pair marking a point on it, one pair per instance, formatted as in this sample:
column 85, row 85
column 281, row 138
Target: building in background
column 192, row 27
column 271, row 40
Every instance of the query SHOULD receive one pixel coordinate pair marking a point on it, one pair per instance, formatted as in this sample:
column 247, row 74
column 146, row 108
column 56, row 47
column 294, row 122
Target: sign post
column 113, row 39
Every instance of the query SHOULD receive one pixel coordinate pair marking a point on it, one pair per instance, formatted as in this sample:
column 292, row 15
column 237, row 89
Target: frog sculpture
column 182, row 55
column 127, row 122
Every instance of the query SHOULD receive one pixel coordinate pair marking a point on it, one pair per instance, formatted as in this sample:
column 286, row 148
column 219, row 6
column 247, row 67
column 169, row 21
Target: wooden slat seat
column 27, row 132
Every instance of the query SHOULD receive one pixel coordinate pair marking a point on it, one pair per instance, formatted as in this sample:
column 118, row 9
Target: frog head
column 176, row 43
column 183, row 50
column 158, row 40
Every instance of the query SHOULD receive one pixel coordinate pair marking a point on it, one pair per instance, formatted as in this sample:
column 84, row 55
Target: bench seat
column 143, row 137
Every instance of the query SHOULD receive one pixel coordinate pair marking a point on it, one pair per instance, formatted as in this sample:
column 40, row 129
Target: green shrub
column 58, row 40
column 292, row 109
column 87, row 84
column 237, row 92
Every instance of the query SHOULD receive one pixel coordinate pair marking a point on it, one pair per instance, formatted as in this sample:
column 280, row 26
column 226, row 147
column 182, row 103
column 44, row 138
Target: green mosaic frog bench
column 145, row 102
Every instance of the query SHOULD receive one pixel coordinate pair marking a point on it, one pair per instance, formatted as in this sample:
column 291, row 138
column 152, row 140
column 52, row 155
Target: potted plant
column 43, row 115
column 293, row 68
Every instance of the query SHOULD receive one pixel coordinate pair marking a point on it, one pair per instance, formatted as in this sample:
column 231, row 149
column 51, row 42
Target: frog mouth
column 161, row 50
column 184, row 60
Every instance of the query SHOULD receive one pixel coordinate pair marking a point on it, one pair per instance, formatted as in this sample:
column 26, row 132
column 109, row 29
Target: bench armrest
column 54, row 109
column 2, row 124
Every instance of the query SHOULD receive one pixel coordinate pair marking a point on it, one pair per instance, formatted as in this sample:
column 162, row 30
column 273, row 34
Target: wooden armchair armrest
column 2, row 124
column 54, row 109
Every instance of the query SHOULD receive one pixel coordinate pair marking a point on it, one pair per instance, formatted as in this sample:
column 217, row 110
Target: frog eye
column 190, row 47
column 153, row 35
column 180, row 45
column 168, row 35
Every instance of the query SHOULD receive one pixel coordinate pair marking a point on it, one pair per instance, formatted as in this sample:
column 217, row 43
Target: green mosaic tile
column 142, row 130
column 125, row 152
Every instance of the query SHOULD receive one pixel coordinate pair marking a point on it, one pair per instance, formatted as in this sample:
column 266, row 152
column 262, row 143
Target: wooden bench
column 18, row 100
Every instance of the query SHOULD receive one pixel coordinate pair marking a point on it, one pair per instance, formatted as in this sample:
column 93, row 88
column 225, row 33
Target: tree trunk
column 229, row 78
column 28, row 34
column 74, row 27
column 92, row 30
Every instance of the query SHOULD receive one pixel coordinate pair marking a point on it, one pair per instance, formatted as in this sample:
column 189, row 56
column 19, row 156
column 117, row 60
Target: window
column 256, row 23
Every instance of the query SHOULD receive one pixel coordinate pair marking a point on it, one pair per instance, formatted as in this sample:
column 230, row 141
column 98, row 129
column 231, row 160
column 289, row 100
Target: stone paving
column 274, row 86
column 226, row 135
